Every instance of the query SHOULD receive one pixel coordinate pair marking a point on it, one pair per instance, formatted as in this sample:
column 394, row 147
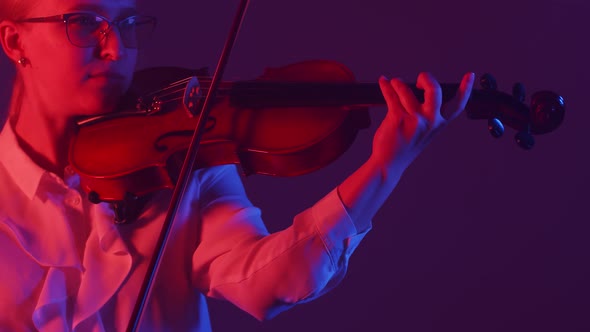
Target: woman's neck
column 44, row 138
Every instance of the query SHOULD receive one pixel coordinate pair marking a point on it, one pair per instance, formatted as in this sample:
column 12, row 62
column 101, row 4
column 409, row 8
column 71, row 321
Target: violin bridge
column 192, row 96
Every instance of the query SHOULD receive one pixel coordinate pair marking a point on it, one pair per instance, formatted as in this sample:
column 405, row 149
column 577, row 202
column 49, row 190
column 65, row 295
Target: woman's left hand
column 409, row 125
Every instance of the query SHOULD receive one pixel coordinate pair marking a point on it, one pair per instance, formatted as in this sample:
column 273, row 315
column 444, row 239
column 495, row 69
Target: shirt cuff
column 334, row 222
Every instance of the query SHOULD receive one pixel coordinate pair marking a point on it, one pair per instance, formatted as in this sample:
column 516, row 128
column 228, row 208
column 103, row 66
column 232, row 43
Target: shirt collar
column 21, row 168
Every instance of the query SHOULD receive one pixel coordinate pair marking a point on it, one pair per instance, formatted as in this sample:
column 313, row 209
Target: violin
column 290, row 121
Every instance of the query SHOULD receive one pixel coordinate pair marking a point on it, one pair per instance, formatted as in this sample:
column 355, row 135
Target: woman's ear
column 11, row 41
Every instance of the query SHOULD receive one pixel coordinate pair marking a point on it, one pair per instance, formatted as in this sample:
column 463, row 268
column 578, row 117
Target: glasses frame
column 66, row 17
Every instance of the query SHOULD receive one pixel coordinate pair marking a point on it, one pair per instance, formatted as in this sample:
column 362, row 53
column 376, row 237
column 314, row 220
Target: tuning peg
column 488, row 82
column 518, row 92
column 525, row 139
column 495, row 127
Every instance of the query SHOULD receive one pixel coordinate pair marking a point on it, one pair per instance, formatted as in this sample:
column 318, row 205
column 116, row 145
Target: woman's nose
column 112, row 45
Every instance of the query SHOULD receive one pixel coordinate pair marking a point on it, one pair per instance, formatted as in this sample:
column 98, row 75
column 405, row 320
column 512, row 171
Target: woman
column 69, row 267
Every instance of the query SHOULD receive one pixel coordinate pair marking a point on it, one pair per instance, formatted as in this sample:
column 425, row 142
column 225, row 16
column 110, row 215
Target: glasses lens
column 85, row 30
column 136, row 31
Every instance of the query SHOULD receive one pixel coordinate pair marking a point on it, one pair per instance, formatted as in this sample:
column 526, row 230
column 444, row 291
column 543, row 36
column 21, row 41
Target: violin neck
column 258, row 94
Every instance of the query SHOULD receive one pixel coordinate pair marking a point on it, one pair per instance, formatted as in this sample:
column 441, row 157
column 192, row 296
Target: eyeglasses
column 88, row 30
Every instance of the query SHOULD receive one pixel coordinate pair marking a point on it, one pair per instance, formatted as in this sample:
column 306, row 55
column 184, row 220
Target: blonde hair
column 13, row 10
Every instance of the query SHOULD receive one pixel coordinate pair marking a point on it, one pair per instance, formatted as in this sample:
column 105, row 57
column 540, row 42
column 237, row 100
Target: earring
column 23, row 61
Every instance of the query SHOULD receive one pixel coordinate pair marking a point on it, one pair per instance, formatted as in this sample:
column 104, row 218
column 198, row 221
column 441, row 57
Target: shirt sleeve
column 261, row 273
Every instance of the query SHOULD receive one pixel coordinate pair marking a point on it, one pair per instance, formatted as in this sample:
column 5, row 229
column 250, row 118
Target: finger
column 456, row 105
column 394, row 106
column 432, row 95
column 406, row 96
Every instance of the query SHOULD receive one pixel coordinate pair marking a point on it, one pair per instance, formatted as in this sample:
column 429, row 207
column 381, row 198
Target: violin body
column 136, row 153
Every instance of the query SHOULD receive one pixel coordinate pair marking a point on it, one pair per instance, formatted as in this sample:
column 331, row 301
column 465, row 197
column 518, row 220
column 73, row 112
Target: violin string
column 206, row 81
column 169, row 93
column 179, row 96
column 173, row 85
column 179, row 82
column 175, row 91
column 169, row 87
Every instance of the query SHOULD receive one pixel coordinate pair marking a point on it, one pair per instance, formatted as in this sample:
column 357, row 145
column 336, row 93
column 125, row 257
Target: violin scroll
column 547, row 111
column 545, row 114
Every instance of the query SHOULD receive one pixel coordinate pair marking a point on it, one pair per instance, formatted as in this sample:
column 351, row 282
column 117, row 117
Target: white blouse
column 67, row 267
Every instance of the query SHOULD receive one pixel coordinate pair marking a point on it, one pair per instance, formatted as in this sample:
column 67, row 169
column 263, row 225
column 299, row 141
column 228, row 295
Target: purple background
column 479, row 235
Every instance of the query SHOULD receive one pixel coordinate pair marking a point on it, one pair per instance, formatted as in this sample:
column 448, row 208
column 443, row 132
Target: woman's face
column 71, row 80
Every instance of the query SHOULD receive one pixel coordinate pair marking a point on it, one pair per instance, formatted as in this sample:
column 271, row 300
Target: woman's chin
column 101, row 104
